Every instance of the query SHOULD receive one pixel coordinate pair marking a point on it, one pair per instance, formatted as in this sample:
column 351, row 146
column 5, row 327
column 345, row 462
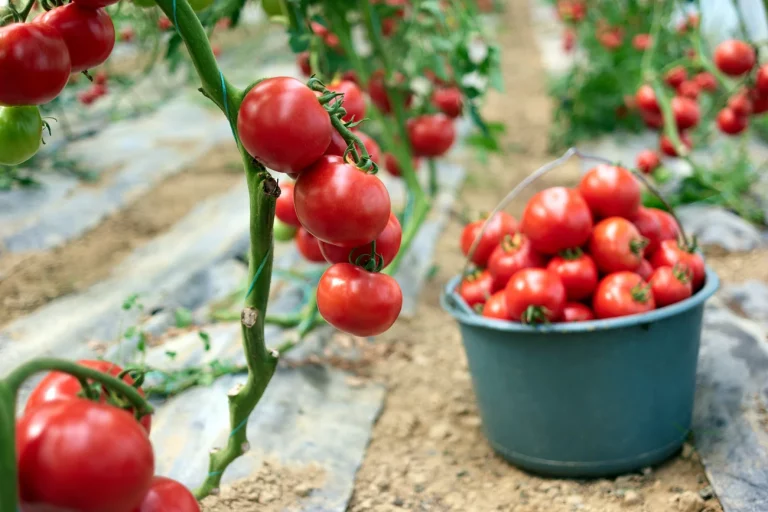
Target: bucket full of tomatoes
column 582, row 326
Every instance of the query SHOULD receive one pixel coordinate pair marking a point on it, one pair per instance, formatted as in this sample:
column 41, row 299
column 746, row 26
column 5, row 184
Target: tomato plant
column 62, row 444
column 21, row 130
column 358, row 302
column 535, row 296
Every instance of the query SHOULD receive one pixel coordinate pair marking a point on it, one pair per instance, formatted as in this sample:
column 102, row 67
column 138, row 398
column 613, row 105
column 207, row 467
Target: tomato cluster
column 84, row 450
column 36, row 60
column 337, row 211
column 579, row 253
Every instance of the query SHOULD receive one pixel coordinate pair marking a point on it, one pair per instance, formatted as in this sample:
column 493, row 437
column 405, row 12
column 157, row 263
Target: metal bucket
column 585, row 399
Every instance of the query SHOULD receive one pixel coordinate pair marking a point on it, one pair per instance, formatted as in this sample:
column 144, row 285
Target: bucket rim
column 460, row 310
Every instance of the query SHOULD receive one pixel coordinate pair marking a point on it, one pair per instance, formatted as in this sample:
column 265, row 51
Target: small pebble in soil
column 632, row 498
column 574, row 500
column 398, row 502
column 707, row 493
column 687, row 452
column 688, row 502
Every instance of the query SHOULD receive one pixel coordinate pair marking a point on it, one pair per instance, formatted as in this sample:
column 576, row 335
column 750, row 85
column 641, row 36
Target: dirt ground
column 30, row 280
column 428, row 451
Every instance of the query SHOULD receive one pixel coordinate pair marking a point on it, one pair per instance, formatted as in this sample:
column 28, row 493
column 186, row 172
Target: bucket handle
column 544, row 169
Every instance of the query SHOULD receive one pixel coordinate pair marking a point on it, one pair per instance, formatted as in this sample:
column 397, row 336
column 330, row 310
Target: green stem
column 670, row 127
column 432, row 178
column 9, row 482
column 420, row 210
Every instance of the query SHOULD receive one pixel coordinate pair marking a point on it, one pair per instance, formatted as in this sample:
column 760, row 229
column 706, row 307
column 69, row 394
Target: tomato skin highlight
column 649, row 227
column 670, row 254
column 734, row 57
column 535, row 290
column 449, row 101
column 358, row 302
column 496, row 306
column 610, row 191
column 579, row 275
column 577, row 312
column 354, row 102
column 616, row 245
column 166, row 495
column 34, row 64
column 512, row 254
column 309, row 246
column 63, row 386
column 340, row 204
column 61, row 445
column 431, row 135
column 21, row 131
column 670, row 285
column 501, row 224
column 476, row 287
column 556, row 219
column 89, row 34
column 282, row 125
column 387, row 245
column 284, row 208
column 622, row 294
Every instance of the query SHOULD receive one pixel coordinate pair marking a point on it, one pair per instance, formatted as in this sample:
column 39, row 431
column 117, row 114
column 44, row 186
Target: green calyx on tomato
column 21, row 131
column 637, row 246
column 641, row 292
column 512, row 243
column 682, row 273
column 535, row 315
column 572, row 253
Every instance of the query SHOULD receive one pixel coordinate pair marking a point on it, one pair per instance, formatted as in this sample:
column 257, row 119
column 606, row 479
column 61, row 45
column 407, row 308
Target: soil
column 273, row 487
column 28, row 281
column 739, row 267
column 427, row 450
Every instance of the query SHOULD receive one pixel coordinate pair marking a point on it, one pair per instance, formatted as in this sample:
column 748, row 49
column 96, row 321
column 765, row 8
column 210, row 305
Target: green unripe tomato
column 282, row 232
column 274, row 8
column 145, row 3
column 200, row 5
column 21, row 130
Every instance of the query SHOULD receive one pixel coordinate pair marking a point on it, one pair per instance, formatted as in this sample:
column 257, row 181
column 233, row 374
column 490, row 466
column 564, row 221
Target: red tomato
column 610, row 191
column 393, row 167
column 448, row 100
column 556, row 219
column 358, row 302
column 646, row 99
column 164, row 23
column 512, row 254
column 689, row 89
column 387, row 245
column 501, row 224
column 476, row 287
column 676, row 76
column 353, row 102
column 577, row 312
column 616, row 245
column 734, row 57
column 571, row 10
column 578, row 274
column 622, row 294
column 611, row 38
column 63, row 386
column 101, row 78
column 284, row 209
column 318, row 29
column 535, row 295
column 302, row 59
column 649, row 226
column 88, row 33
column 686, row 112
column 127, row 34
column 645, row 270
column 61, row 445
column 431, row 135
column 340, row 204
column 668, row 148
column 731, row 123
column 496, row 306
column 309, row 246
column 761, row 79
column 671, row 254
column 759, row 103
column 652, row 120
column 34, row 64
column 166, row 495
column 641, row 42
column 648, row 161
column 337, row 146
column 374, row 151
column 668, row 228
column 282, row 124
column 350, row 76
column 706, row 81
column 569, row 39
column 740, row 103
column 670, row 285
column 378, row 90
